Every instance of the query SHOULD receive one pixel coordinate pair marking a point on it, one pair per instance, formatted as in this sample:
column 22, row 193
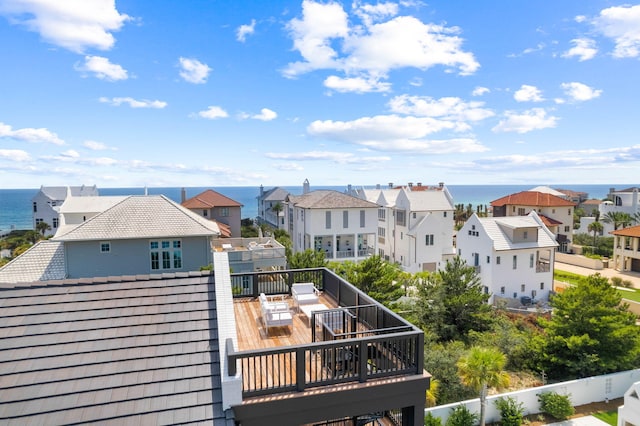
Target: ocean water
column 15, row 204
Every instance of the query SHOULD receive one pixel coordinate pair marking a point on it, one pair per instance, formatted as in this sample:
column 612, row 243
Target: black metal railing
column 372, row 341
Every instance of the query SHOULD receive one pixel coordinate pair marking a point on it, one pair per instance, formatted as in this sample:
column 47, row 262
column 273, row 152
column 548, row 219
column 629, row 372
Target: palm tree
column 618, row 219
column 636, row 218
column 481, row 369
column 43, row 227
column 432, row 392
column 277, row 208
column 595, row 227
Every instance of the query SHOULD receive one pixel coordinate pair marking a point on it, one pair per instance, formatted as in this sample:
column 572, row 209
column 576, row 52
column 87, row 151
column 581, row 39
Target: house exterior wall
column 530, row 274
column 46, row 210
column 130, row 257
column 626, row 253
column 233, row 218
column 621, row 201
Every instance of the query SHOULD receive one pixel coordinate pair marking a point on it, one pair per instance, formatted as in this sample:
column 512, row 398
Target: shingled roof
column 327, row 199
column 137, row 351
column 142, row 216
column 209, row 199
column 631, row 231
column 43, row 261
column 532, row 198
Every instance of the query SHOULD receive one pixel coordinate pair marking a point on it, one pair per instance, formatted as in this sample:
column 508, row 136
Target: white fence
column 582, row 391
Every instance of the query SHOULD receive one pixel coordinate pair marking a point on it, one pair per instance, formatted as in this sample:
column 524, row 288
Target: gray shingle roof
column 43, row 261
column 142, row 216
column 493, row 226
column 127, row 352
column 326, row 199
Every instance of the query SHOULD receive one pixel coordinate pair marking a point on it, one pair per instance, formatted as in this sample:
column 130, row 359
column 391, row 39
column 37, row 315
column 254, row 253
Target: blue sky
column 243, row 93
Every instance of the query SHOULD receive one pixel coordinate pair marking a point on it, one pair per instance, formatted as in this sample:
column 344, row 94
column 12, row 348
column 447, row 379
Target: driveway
column 581, row 421
column 634, row 277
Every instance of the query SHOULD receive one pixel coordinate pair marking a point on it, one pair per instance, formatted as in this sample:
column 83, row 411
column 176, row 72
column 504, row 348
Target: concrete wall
column 583, row 391
column 577, row 260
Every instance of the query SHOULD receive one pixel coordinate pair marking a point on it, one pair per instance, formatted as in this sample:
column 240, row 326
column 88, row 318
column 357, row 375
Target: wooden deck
column 252, row 334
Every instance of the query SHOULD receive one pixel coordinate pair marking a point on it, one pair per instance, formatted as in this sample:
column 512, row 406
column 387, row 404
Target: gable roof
column 209, row 199
column 328, row 199
column 548, row 221
column 532, row 198
column 61, row 192
column 137, row 351
column 43, row 261
column 142, row 216
column 431, row 200
column 90, row 203
column 274, row 194
column 631, row 231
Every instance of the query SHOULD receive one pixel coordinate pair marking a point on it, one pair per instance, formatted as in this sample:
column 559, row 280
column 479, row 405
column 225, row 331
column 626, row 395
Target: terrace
column 367, row 356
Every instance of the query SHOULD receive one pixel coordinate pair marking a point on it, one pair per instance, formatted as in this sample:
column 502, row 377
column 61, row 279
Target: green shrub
column 616, row 281
column 556, row 405
column 461, row 416
column 511, row 411
column 627, row 284
column 431, row 420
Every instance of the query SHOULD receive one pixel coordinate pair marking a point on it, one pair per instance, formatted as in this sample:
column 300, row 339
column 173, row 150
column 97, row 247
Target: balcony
column 248, row 254
column 355, row 346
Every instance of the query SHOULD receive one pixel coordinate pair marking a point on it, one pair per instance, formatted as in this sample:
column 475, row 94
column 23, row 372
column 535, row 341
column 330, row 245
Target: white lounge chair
column 304, row 294
column 275, row 313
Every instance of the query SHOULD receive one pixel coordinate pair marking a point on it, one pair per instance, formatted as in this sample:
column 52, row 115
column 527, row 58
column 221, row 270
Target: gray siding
column 130, row 257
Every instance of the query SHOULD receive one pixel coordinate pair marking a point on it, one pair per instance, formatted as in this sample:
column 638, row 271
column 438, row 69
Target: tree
column 451, row 302
column 590, row 332
column 595, row 227
column 481, row 369
column 43, row 227
column 307, row 259
column 277, row 208
column 375, row 276
column 618, row 219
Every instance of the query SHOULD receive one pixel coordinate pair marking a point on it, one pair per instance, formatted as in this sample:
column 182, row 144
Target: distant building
column 342, row 226
column 415, row 225
column 217, row 207
column 267, row 200
column 513, row 256
column 626, row 249
column 555, row 212
column 46, row 203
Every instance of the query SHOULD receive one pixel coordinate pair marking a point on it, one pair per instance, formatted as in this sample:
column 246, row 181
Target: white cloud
column 528, row 93
column 133, row 103
column 584, row 49
column 75, row 25
column 15, row 155
column 289, row 167
column 479, row 91
column 395, row 133
column 97, row 146
column 325, row 40
column 356, row 84
column 70, row 153
column 580, row 92
column 533, row 119
column 265, row 115
column 194, row 71
column 333, row 156
column 244, row 30
column 622, row 25
column 448, row 108
column 29, row 134
column 213, row 112
column 103, row 68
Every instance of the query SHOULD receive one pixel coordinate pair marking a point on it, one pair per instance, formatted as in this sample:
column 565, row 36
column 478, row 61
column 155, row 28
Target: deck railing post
column 300, row 369
column 362, row 360
column 419, row 353
column 231, row 359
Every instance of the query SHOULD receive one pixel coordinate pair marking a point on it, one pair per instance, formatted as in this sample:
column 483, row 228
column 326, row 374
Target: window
column 401, row 235
column 502, row 289
column 522, row 288
column 381, row 232
column 513, row 209
column 414, row 215
column 515, row 262
column 224, row 211
column 35, row 207
column 541, row 286
column 166, row 254
column 345, row 219
column 382, row 215
column 553, row 210
column 401, row 218
column 105, row 247
column 531, row 260
column 55, row 222
column 515, row 295
column 525, row 235
column 445, row 214
column 205, row 213
column 488, row 259
column 428, row 239
column 497, row 260
column 327, row 220
column 533, row 293
column 569, row 212
column 362, row 216
column 567, row 229
column 521, row 211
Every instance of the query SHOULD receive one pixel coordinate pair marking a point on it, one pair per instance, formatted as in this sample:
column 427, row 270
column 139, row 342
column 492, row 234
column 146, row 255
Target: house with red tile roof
column 217, row 207
column 626, row 249
column 556, row 212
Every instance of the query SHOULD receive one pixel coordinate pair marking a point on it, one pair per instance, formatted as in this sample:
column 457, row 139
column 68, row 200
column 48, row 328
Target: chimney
column 440, row 185
column 305, row 186
column 183, row 195
column 390, row 184
column 410, row 184
column 261, row 191
column 419, row 184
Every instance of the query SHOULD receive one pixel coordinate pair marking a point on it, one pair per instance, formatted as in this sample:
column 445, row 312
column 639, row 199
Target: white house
column 629, row 412
column 513, row 256
column 46, row 203
column 415, row 225
column 267, row 200
column 342, row 226
column 626, row 249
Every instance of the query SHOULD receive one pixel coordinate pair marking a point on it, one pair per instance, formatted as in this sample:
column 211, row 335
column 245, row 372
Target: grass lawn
column 571, row 278
column 610, row 417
